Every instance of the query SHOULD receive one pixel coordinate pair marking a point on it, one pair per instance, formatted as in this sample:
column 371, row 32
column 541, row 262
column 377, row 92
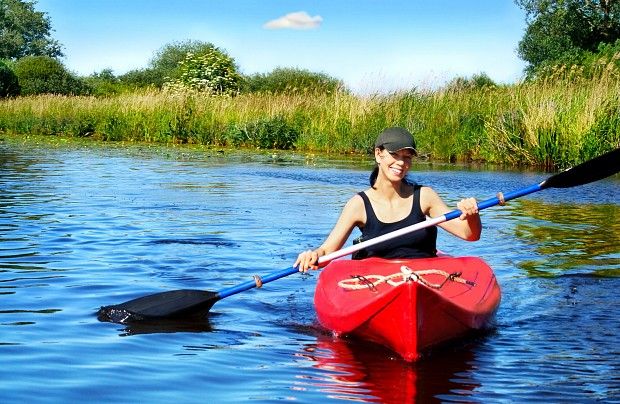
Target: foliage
column 104, row 83
column 582, row 65
column 552, row 123
column 561, row 29
column 265, row 133
column 291, row 81
column 46, row 75
column 25, row 32
column 9, row 84
column 141, row 79
column 480, row 80
column 166, row 62
column 164, row 66
column 212, row 72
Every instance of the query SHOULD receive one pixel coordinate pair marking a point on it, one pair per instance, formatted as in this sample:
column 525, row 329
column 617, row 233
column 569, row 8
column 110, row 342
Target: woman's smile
column 397, row 170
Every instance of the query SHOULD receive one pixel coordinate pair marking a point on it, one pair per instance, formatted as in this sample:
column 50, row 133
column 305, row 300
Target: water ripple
column 82, row 227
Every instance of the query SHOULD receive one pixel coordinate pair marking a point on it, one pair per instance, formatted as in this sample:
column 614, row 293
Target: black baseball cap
column 395, row 139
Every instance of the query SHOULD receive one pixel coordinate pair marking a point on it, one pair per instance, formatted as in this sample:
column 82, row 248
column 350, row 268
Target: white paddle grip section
column 396, row 233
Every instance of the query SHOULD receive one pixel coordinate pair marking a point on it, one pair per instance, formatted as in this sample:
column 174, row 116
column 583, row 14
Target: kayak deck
column 408, row 305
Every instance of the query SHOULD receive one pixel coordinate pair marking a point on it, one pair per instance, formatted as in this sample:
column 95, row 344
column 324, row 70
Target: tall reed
column 555, row 122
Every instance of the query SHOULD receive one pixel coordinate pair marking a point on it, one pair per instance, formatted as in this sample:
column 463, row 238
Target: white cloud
column 296, row 20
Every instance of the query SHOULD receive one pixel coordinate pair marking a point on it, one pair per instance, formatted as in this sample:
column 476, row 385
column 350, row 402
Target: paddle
column 196, row 303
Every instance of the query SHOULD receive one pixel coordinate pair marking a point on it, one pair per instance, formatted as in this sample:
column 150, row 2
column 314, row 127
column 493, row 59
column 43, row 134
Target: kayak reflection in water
column 392, row 202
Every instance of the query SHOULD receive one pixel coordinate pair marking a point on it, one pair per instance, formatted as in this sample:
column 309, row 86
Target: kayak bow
column 409, row 305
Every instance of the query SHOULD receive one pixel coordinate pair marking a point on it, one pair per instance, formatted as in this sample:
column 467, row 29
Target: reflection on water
column 571, row 238
column 213, row 240
column 167, row 326
column 357, row 371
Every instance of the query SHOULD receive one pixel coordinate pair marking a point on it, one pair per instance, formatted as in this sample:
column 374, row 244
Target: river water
column 85, row 225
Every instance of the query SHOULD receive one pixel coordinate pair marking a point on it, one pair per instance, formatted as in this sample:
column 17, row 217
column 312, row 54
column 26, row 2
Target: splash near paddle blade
column 171, row 304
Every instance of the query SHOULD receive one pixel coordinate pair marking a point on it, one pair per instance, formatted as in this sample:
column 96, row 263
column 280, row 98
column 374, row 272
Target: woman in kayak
column 391, row 203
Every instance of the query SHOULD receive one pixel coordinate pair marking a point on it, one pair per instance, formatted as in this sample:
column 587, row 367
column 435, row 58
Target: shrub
column 477, row 81
column 46, row 75
column 266, row 133
column 211, row 71
column 104, row 83
column 581, row 64
column 141, row 78
column 291, row 81
column 9, row 85
column 165, row 64
column 164, row 67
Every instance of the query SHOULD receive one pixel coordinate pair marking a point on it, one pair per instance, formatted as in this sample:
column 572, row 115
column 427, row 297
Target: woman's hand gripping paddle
column 196, row 303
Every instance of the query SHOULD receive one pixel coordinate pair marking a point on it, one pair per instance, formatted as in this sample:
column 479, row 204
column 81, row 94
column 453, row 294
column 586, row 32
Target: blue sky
column 373, row 45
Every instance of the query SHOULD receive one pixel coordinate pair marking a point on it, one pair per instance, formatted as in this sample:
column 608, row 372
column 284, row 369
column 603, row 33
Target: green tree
column 477, row 81
column 211, row 71
column 562, row 29
column 104, row 83
column 166, row 61
column 25, row 31
column 292, row 80
column 9, row 84
column 164, row 66
column 141, row 78
column 46, row 75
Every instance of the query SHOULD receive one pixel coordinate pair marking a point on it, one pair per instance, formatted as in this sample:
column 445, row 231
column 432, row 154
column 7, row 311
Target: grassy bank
column 553, row 123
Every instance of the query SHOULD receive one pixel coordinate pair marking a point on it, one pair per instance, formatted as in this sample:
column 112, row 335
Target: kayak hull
column 412, row 314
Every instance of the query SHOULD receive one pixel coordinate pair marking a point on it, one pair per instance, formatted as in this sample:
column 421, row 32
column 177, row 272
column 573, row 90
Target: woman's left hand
column 468, row 207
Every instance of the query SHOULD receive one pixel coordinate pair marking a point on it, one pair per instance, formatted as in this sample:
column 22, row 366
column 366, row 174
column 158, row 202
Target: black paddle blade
column 164, row 305
column 592, row 170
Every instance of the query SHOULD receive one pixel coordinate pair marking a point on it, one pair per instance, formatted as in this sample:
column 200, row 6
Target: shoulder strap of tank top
column 370, row 213
column 416, row 200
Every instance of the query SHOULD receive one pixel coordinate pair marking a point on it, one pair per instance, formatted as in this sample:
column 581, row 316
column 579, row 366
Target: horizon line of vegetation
column 568, row 117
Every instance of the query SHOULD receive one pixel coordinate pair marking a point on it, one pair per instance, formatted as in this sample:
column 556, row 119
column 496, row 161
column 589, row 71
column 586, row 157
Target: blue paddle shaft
column 496, row 201
column 448, row 216
column 345, row 251
column 252, row 284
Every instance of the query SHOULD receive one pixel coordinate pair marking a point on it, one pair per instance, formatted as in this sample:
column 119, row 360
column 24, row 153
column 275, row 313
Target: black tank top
column 418, row 244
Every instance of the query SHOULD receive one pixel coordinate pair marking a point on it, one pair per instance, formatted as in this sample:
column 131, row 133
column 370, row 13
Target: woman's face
column 396, row 164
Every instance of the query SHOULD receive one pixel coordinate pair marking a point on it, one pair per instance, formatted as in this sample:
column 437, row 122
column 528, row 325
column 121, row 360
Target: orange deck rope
column 406, row 274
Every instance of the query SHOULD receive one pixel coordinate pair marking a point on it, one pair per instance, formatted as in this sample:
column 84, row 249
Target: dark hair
column 375, row 172
column 373, row 176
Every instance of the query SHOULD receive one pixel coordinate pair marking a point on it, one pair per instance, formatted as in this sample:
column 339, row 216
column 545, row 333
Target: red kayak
column 407, row 305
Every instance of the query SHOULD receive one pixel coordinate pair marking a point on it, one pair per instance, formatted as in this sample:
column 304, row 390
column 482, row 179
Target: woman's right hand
column 307, row 260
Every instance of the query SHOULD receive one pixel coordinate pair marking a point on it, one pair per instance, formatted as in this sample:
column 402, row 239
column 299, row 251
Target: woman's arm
column 469, row 227
column 353, row 214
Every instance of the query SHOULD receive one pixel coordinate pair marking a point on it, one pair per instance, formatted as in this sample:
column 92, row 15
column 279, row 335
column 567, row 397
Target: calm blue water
column 85, row 226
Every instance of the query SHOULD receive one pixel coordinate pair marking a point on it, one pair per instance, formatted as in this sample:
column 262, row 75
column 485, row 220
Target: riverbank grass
column 552, row 123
